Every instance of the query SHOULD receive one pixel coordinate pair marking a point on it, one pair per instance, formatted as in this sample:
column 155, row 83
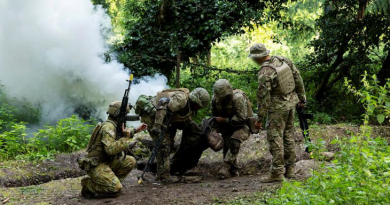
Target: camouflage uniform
column 190, row 149
column 280, row 110
column 111, row 165
column 179, row 104
column 233, row 105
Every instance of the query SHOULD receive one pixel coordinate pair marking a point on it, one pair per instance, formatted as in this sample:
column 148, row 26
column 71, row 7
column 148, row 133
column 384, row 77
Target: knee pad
column 234, row 146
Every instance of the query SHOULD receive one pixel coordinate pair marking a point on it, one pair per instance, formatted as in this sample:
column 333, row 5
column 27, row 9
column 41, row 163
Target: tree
column 190, row 26
column 352, row 39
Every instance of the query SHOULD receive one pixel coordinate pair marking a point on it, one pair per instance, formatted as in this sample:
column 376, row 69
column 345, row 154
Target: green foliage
column 373, row 97
column 12, row 111
column 350, row 41
column 67, row 135
column 191, row 26
column 379, row 6
column 323, row 118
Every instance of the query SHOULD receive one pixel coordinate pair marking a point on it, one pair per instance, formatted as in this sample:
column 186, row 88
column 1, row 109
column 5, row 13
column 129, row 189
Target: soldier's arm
column 240, row 105
column 213, row 108
column 177, row 102
column 112, row 146
column 265, row 79
column 299, row 85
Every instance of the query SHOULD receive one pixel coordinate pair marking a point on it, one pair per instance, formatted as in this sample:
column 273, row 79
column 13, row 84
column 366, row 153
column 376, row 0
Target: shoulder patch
column 111, row 133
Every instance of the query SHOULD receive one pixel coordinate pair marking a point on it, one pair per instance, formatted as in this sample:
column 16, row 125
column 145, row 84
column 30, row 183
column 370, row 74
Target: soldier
column 106, row 163
column 145, row 107
column 181, row 105
column 280, row 89
column 231, row 109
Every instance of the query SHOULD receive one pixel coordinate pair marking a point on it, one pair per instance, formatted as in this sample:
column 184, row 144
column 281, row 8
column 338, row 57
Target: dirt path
column 210, row 190
column 254, row 156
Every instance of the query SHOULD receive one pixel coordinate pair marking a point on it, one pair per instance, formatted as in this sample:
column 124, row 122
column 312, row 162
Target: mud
column 25, row 173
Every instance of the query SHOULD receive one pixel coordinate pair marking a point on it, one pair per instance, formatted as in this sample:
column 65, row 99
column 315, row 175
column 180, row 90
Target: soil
column 254, row 156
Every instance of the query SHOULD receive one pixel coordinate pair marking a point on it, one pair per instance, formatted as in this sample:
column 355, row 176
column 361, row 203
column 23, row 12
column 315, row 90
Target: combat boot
column 84, row 190
column 234, row 171
column 224, row 172
column 290, row 172
column 272, row 178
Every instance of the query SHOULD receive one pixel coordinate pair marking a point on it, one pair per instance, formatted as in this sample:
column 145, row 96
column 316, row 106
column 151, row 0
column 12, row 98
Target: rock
column 327, row 156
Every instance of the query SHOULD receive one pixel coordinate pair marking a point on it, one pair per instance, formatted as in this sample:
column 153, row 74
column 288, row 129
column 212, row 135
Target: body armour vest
column 182, row 115
column 285, row 79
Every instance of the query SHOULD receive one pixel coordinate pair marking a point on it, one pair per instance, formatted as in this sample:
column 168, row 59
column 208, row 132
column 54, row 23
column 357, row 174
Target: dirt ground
column 254, row 157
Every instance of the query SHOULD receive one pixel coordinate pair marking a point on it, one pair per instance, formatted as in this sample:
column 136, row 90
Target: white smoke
column 49, row 56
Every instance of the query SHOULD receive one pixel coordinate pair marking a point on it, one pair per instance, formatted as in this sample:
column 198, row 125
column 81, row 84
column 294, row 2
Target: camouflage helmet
column 200, row 96
column 222, row 88
column 144, row 104
column 114, row 107
column 258, row 51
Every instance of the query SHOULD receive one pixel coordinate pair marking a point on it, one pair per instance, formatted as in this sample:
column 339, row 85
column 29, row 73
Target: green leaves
column 68, row 135
column 380, row 118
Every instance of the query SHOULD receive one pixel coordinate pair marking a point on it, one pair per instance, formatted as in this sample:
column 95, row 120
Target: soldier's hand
column 142, row 127
column 221, row 120
column 302, row 104
column 259, row 125
column 126, row 132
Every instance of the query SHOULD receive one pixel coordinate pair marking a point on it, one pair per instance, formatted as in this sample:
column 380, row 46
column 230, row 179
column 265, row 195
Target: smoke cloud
column 50, row 56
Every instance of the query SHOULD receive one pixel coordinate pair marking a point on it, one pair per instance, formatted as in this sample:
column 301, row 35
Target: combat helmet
column 145, row 104
column 200, row 96
column 222, row 88
column 113, row 108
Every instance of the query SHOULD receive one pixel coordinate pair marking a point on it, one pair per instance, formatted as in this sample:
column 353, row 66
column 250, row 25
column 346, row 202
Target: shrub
column 67, row 135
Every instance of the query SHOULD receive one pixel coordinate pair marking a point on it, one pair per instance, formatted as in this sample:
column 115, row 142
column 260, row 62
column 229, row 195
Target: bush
column 67, row 135
column 322, row 118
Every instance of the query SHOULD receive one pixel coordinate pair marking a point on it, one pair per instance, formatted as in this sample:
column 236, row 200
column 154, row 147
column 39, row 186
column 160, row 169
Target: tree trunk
column 324, row 85
column 362, row 9
column 178, row 69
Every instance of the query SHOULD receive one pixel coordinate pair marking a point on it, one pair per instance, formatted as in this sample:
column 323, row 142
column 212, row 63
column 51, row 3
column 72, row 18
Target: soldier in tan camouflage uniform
column 106, row 163
column 231, row 109
column 280, row 89
column 181, row 104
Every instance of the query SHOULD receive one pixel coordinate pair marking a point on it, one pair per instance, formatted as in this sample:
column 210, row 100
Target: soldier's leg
column 234, row 149
column 102, row 180
column 192, row 145
column 275, row 131
column 163, row 162
column 224, row 171
column 289, row 145
column 122, row 166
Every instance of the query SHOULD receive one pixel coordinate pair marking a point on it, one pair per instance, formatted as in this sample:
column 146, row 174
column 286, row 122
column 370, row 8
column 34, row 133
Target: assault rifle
column 303, row 117
column 167, row 120
column 123, row 110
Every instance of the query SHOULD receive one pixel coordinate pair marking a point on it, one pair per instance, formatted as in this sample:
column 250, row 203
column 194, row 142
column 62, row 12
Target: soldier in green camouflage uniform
column 231, row 110
column 280, row 89
column 106, row 163
column 145, row 107
column 181, row 104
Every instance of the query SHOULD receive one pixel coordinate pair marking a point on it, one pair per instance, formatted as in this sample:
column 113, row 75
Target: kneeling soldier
column 107, row 163
column 180, row 104
column 231, row 109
